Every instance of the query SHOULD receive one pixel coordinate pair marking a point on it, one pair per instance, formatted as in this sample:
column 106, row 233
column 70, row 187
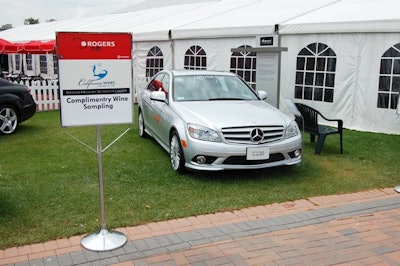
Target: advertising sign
column 95, row 78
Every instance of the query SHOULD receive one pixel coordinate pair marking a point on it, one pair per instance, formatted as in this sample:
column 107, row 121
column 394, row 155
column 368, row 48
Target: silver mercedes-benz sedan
column 209, row 120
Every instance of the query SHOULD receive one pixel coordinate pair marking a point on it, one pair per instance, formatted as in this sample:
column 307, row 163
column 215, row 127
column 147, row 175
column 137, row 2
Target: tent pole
column 172, row 43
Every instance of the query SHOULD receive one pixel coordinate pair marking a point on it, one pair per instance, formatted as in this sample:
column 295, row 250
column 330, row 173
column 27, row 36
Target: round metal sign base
column 397, row 189
column 103, row 240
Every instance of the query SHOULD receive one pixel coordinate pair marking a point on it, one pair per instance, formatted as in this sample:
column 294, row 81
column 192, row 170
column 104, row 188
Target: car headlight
column 203, row 133
column 292, row 130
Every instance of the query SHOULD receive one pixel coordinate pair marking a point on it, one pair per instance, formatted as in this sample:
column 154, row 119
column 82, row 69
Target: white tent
column 347, row 16
column 359, row 32
column 223, row 18
column 250, row 18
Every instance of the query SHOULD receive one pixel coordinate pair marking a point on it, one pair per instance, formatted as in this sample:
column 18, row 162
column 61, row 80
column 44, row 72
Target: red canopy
column 49, row 47
column 3, row 44
column 38, row 47
column 13, row 48
column 32, row 47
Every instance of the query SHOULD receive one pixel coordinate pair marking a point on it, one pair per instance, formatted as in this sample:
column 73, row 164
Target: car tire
column 8, row 120
column 176, row 153
column 142, row 131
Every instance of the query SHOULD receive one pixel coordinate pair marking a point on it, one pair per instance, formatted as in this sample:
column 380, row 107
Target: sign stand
column 95, row 78
column 104, row 240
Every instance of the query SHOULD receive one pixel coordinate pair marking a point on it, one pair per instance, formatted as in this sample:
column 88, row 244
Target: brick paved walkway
column 351, row 229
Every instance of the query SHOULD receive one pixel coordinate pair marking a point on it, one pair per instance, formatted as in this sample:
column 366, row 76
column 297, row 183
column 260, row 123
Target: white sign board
column 95, row 77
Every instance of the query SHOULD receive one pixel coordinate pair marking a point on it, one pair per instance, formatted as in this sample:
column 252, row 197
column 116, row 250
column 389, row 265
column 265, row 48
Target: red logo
column 89, row 45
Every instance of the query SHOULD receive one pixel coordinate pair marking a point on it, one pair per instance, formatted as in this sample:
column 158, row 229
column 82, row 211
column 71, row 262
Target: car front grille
column 246, row 135
column 241, row 160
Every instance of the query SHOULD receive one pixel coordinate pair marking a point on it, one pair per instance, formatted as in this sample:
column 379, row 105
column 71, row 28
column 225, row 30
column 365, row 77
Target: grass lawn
column 49, row 181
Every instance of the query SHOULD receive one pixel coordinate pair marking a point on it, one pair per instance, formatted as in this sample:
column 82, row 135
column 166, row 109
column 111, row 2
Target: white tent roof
column 348, row 16
column 160, row 27
column 144, row 21
column 227, row 18
column 249, row 19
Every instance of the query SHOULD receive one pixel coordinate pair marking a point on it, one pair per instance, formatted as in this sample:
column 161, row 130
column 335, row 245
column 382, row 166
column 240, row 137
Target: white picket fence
column 45, row 93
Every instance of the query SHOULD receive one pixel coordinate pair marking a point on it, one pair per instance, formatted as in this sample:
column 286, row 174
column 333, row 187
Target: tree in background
column 30, row 21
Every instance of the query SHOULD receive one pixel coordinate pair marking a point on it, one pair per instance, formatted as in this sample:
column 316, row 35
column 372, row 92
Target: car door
column 162, row 113
column 148, row 105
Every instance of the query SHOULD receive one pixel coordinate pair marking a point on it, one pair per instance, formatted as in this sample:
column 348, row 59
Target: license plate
column 257, row 153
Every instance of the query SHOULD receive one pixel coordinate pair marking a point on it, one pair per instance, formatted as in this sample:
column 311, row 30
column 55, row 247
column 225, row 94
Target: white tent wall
column 356, row 78
column 33, row 67
column 372, row 118
column 218, row 51
column 52, row 66
column 358, row 31
column 47, row 71
column 139, row 57
column 13, row 62
column 49, row 66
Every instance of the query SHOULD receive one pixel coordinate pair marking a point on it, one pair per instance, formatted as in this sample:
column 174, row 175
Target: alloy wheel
column 176, row 154
column 8, row 120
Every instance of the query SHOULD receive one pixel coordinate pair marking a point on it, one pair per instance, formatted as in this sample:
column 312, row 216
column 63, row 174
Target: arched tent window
column 195, row 58
column 244, row 65
column 154, row 62
column 315, row 73
column 389, row 78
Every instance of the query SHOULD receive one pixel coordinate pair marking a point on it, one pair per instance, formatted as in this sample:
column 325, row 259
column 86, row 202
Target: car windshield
column 211, row 88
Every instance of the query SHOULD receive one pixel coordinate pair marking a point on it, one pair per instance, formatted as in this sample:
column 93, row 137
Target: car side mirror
column 262, row 94
column 158, row 96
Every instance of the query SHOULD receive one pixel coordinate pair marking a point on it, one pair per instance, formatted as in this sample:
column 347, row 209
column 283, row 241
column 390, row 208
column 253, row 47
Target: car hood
column 219, row 114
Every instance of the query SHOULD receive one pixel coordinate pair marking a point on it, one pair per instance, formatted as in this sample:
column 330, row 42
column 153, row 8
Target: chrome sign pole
column 104, row 240
column 95, row 80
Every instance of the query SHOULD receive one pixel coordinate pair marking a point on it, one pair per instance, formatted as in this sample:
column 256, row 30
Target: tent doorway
column 268, row 70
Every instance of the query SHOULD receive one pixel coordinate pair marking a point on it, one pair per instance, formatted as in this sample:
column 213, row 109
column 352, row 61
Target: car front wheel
column 176, row 153
column 8, row 120
column 142, row 131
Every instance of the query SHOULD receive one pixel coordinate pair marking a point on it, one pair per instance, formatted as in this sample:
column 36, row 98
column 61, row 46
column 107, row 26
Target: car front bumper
column 212, row 156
